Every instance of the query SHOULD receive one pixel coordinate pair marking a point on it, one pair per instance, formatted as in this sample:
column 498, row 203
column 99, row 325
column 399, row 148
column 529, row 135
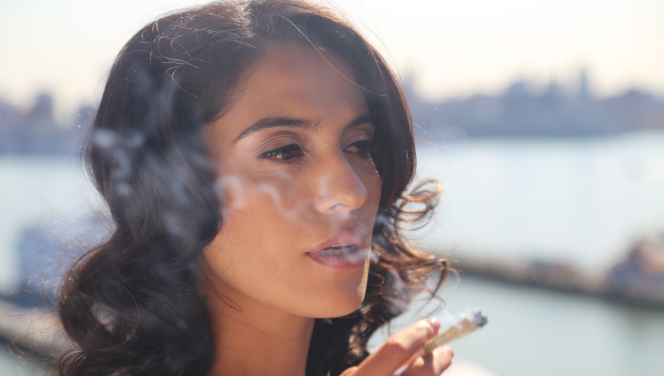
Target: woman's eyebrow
column 281, row 121
column 363, row 119
column 271, row 122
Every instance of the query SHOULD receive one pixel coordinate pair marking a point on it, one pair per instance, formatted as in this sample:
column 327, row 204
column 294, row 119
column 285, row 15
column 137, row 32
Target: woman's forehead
column 293, row 80
column 303, row 61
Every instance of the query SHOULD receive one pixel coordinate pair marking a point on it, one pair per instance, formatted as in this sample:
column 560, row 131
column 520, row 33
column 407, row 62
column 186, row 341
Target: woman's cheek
column 232, row 193
column 371, row 179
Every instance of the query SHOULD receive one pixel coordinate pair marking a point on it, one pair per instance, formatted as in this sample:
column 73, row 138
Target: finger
column 432, row 364
column 399, row 348
column 350, row 371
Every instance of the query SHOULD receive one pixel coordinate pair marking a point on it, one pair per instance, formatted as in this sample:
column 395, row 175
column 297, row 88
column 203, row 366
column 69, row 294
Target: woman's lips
column 344, row 251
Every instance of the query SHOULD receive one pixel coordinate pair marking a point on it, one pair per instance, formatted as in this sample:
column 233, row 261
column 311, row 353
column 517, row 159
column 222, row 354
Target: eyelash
column 363, row 149
column 280, row 152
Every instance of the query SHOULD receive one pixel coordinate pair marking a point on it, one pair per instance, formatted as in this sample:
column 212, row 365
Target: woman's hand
column 405, row 349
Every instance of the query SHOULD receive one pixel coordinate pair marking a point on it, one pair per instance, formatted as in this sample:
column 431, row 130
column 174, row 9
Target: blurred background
column 543, row 119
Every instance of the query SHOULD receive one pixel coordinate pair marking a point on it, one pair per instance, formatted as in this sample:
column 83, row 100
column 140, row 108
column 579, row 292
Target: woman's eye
column 284, row 153
column 362, row 147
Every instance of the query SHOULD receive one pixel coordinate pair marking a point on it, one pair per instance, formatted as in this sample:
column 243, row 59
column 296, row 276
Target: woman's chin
column 332, row 313
column 333, row 306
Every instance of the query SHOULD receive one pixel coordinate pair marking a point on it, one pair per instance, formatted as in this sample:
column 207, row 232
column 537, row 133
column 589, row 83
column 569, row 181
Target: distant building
column 520, row 113
column 641, row 274
column 41, row 114
column 45, row 253
column 36, row 131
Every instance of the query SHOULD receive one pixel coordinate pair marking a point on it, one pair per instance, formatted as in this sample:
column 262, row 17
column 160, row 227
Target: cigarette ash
column 476, row 318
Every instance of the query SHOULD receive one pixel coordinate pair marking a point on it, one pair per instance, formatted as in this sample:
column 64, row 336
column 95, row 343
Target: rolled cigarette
column 468, row 324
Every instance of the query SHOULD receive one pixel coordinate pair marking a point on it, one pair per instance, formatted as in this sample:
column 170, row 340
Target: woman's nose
column 339, row 186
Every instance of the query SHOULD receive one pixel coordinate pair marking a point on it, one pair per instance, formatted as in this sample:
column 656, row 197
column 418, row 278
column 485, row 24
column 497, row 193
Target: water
column 545, row 333
column 580, row 201
column 14, row 363
column 49, row 192
column 575, row 201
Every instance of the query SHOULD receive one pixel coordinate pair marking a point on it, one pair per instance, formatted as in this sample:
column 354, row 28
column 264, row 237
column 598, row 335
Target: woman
column 254, row 157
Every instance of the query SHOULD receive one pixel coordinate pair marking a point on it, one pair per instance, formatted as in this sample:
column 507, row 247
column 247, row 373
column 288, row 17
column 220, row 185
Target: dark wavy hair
column 131, row 305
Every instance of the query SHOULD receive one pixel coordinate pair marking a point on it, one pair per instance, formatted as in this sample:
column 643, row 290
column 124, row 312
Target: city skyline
column 520, row 110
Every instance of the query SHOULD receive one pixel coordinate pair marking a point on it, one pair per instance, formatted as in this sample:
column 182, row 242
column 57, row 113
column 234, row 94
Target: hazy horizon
column 453, row 49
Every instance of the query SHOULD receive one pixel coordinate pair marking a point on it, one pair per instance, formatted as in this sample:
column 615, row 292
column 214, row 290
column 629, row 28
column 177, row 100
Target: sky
column 452, row 48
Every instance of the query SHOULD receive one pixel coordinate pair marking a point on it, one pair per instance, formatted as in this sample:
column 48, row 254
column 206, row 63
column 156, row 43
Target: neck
column 252, row 339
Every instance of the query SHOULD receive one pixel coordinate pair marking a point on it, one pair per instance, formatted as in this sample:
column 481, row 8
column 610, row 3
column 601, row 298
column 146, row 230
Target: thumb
column 349, row 372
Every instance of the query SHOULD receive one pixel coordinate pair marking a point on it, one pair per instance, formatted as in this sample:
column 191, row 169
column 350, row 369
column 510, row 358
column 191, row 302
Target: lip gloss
column 344, row 251
column 341, row 257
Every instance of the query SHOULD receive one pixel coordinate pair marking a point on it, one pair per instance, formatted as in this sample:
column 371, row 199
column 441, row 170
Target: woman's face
column 299, row 189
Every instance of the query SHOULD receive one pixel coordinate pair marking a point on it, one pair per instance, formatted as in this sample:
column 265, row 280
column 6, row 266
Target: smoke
column 122, row 148
column 237, row 193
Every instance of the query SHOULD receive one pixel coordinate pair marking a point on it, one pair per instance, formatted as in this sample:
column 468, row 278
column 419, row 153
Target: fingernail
column 433, row 323
column 449, row 351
